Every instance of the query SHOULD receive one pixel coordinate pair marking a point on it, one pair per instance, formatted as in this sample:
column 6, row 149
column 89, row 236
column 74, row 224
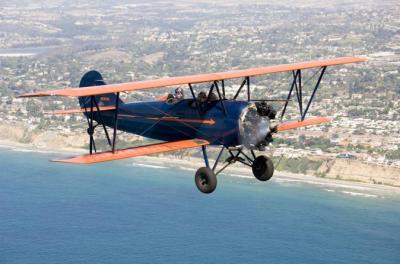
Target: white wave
column 186, row 168
column 347, row 186
column 238, row 175
column 360, row 194
column 329, row 190
column 21, row 150
column 292, row 180
column 149, row 165
column 327, row 184
column 31, row 150
column 17, row 54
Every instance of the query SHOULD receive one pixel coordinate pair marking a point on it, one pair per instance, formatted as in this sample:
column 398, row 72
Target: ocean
column 125, row 213
column 23, row 52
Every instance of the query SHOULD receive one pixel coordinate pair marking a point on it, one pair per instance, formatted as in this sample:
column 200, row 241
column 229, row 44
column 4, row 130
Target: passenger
column 179, row 94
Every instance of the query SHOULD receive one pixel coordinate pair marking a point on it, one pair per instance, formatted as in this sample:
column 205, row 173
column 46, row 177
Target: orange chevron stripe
column 209, row 122
column 77, row 111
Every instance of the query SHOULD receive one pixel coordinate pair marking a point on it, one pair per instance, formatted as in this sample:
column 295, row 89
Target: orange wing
column 306, row 122
column 135, row 151
column 200, row 78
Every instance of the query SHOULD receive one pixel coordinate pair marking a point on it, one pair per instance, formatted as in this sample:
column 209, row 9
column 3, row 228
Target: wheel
column 263, row 168
column 206, row 180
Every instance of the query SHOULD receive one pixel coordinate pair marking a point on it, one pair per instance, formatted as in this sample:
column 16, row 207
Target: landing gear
column 263, row 168
column 206, row 180
column 206, row 177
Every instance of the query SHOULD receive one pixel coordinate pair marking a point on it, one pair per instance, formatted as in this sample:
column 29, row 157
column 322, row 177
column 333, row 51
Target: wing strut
column 297, row 85
column 313, row 93
column 240, row 88
column 102, row 122
column 91, row 128
column 115, row 123
column 223, row 88
column 221, row 99
column 246, row 81
column 194, row 99
column 95, row 109
column 289, row 95
column 248, row 88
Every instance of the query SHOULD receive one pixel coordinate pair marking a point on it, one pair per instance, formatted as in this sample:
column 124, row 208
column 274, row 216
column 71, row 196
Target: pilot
column 202, row 97
column 213, row 97
column 174, row 98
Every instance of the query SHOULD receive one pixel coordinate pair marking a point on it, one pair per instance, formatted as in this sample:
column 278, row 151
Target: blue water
column 118, row 213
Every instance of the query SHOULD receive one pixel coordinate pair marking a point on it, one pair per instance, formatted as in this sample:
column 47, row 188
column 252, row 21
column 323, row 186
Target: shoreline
column 351, row 188
column 331, row 185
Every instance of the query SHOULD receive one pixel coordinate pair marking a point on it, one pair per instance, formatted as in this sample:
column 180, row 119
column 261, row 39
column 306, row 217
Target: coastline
column 351, row 188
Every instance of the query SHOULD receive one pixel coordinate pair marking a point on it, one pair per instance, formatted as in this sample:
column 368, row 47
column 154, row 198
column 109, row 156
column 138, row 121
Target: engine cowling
column 256, row 125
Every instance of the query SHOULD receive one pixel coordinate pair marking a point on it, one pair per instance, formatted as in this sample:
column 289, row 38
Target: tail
column 94, row 78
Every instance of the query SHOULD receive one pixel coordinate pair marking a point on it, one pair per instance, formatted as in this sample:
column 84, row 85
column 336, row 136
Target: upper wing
column 135, row 151
column 200, row 78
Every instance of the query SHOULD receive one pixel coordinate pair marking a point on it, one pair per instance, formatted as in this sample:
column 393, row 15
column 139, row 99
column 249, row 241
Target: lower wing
column 306, row 122
column 135, row 151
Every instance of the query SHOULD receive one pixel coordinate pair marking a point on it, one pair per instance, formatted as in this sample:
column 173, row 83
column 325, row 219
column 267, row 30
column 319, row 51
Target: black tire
column 263, row 168
column 206, row 180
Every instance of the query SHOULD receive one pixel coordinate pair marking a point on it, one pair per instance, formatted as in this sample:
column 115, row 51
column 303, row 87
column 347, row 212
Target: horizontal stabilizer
column 306, row 122
column 135, row 151
column 199, row 78
column 78, row 111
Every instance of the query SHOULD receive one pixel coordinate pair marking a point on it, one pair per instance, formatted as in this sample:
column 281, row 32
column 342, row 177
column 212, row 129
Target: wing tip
column 201, row 142
column 72, row 160
column 360, row 58
column 60, row 160
column 348, row 59
column 28, row 95
column 312, row 121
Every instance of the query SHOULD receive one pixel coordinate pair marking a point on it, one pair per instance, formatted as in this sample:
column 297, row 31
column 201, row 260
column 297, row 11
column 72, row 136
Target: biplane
column 211, row 118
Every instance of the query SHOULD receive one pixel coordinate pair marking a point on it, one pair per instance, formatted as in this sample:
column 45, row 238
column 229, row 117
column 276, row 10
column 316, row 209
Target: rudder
column 94, row 78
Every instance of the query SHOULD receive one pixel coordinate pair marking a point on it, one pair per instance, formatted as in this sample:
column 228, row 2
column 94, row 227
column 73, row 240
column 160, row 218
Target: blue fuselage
column 182, row 120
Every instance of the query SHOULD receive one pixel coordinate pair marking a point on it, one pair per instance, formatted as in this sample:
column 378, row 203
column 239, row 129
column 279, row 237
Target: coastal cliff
column 354, row 170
